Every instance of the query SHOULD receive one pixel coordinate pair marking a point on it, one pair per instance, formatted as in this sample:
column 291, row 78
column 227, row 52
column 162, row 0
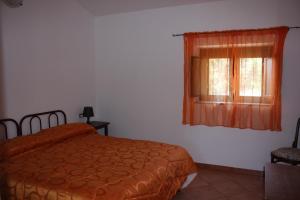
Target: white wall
column 47, row 58
column 139, row 77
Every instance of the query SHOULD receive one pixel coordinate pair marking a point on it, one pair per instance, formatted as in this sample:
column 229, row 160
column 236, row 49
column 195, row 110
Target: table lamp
column 88, row 112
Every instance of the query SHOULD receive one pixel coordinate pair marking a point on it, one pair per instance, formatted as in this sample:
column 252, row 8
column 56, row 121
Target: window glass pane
column 251, row 77
column 268, row 75
column 218, row 76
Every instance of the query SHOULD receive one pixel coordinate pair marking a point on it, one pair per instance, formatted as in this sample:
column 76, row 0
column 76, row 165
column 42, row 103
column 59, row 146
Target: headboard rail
column 49, row 115
column 4, row 123
column 57, row 116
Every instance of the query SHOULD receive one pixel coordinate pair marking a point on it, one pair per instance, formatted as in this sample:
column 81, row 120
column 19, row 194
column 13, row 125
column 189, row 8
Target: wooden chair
column 289, row 155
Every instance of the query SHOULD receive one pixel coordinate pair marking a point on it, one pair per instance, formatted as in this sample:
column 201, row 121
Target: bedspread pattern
column 90, row 166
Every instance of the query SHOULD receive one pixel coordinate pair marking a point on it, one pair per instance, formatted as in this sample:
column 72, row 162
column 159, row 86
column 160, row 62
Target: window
column 218, row 76
column 233, row 78
column 250, row 77
column 255, row 78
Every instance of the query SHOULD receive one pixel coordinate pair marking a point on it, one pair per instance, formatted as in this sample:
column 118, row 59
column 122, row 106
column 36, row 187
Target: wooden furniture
column 282, row 182
column 99, row 125
column 289, row 155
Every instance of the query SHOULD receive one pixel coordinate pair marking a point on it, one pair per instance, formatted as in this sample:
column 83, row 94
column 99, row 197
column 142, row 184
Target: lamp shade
column 88, row 111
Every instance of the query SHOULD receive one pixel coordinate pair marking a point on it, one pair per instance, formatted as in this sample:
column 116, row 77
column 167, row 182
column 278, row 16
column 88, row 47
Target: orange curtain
column 233, row 78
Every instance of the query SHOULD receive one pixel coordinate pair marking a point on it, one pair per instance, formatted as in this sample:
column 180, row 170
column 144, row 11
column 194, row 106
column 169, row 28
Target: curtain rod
column 181, row 34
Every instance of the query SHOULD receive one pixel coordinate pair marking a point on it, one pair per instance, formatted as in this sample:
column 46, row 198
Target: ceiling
column 107, row 7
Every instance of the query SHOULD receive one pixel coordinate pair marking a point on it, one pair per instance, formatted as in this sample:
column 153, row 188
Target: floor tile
column 211, row 184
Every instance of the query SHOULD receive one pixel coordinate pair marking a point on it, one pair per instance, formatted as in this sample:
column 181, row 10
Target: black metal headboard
column 4, row 122
column 58, row 114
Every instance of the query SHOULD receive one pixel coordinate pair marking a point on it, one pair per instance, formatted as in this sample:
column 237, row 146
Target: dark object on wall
column 13, row 3
column 289, row 155
column 88, row 112
column 4, row 123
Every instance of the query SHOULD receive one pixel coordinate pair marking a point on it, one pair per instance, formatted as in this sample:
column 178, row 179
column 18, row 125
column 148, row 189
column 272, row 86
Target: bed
column 72, row 161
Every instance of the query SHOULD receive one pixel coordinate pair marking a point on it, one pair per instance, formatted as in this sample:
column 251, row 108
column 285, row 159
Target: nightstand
column 99, row 125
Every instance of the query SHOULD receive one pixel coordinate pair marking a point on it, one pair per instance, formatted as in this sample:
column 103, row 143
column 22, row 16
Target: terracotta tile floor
column 211, row 184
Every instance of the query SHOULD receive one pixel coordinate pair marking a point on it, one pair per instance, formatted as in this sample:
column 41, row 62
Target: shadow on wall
column 2, row 100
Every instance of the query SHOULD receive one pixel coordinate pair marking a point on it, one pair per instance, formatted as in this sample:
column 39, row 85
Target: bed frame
column 58, row 116
column 5, row 122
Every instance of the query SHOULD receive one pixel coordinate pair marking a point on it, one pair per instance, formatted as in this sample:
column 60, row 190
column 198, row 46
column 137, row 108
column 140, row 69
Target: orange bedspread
column 73, row 162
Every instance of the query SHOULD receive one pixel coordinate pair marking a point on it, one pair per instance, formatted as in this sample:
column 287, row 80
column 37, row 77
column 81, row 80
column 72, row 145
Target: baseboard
column 231, row 169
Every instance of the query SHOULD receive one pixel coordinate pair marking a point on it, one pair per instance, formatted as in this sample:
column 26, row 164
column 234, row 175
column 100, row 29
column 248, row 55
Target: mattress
column 74, row 162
